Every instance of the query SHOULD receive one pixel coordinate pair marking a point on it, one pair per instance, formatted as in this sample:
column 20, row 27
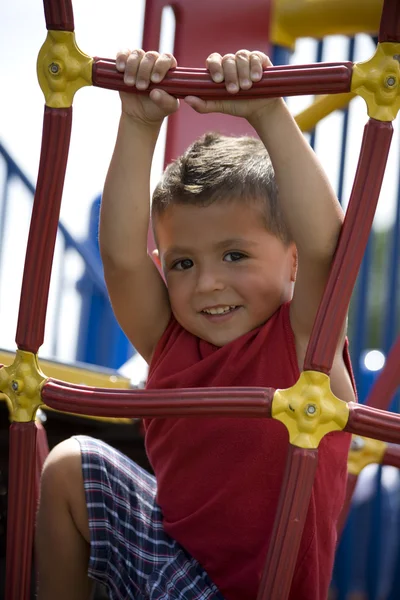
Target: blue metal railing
column 100, row 340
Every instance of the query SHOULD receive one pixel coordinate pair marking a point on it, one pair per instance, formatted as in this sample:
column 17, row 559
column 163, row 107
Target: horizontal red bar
column 373, row 423
column 392, row 456
column 285, row 80
column 104, row 402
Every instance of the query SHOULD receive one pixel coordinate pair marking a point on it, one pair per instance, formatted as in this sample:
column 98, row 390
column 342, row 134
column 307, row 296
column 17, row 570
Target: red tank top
column 219, row 478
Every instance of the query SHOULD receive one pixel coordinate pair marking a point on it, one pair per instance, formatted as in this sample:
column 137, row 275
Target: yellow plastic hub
column 378, row 82
column 364, row 451
column 62, row 69
column 309, row 410
column 21, row 384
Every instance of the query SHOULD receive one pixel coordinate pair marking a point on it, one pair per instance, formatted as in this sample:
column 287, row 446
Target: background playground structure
column 385, row 220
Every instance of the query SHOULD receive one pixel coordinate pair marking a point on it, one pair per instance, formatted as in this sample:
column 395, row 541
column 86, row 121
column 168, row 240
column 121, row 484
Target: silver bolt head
column 54, row 68
column 391, row 81
column 311, row 409
column 14, row 385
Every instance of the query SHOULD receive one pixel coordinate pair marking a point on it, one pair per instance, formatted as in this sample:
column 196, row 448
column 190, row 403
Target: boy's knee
column 62, row 469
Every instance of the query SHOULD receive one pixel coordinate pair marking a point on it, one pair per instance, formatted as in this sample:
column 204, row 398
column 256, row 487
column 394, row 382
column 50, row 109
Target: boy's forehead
column 226, row 218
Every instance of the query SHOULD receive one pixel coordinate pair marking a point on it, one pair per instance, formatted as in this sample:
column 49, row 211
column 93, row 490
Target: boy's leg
column 62, row 530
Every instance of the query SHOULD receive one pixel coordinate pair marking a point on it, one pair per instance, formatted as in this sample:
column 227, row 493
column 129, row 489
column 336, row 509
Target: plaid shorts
column 130, row 553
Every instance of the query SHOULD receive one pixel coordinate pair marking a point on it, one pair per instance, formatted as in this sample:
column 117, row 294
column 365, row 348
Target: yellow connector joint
column 62, row 69
column 21, row 383
column 309, row 410
column 364, row 451
column 378, row 82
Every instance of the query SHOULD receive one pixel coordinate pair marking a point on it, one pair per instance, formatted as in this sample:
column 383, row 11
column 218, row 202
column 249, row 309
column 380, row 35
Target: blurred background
column 80, row 326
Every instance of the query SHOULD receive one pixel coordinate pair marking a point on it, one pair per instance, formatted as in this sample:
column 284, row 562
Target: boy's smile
column 226, row 274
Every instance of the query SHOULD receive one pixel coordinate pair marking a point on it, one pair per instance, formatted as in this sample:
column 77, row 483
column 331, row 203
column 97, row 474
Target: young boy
column 244, row 275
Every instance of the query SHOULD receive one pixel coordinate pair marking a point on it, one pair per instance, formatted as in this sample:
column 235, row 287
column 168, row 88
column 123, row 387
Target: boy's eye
column 234, row 256
column 183, row 265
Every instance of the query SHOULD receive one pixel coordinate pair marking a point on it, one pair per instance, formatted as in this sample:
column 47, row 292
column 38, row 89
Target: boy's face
column 226, row 274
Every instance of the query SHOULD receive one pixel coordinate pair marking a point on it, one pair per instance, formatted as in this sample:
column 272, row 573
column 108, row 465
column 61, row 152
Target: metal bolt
column 311, row 409
column 54, row 68
column 14, row 386
column 397, row 57
column 390, row 81
column 357, row 444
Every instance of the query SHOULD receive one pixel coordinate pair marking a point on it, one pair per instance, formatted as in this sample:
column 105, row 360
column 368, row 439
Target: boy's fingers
column 214, row 65
column 131, row 67
column 243, row 69
column 258, row 62
column 163, row 64
column 145, row 69
column 205, row 106
column 164, row 101
column 230, row 73
column 122, row 57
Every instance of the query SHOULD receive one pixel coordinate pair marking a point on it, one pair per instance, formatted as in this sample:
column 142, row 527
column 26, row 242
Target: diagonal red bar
column 351, row 486
column 21, row 510
column 289, row 522
column 351, row 246
column 373, row 423
column 328, row 78
column 392, row 456
column 43, row 230
column 228, row 402
column 59, row 15
column 389, row 29
column 388, row 381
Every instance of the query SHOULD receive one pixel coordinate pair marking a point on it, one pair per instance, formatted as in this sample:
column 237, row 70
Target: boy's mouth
column 219, row 310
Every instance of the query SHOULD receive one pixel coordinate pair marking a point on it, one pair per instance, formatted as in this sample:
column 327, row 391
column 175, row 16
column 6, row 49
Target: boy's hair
column 219, row 168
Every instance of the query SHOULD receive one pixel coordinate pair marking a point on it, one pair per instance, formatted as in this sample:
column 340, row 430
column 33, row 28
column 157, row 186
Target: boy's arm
column 312, row 211
column 137, row 291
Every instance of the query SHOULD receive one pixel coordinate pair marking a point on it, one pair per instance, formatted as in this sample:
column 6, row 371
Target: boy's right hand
column 141, row 68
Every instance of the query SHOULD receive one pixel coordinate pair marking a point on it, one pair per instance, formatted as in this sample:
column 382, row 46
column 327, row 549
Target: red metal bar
column 21, row 510
column 229, row 402
column 388, row 381
column 351, row 246
column 328, row 78
column 392, row 456
column 43, row 230
column 351, row 486
column 59, row 15
column 373, row 423
column 291, row 514
column 42, row 451
column 389, row 30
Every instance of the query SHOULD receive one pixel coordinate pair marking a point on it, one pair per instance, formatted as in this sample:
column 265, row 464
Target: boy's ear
column 155, row 256
column 295, row 263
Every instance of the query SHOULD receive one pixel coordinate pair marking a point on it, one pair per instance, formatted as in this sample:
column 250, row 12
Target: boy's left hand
column 238, row 71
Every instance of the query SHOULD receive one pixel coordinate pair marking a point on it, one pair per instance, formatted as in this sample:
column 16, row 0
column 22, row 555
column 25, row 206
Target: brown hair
column 216, row 168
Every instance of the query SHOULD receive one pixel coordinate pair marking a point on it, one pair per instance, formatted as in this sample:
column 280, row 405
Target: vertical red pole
column 42, row 451
column 351, row 246
column 21, row 510
column 43, row 230
column 289, row 523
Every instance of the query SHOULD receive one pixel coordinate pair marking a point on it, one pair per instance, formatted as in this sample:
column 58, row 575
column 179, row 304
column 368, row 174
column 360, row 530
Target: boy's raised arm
column 310, row 206
column 312, row 211
column 137, row 292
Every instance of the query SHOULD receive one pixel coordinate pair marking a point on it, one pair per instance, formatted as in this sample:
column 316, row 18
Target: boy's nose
column 209, row 281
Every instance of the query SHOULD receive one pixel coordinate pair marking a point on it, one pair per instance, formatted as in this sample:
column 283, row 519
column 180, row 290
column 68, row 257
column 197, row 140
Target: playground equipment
column 62, row 70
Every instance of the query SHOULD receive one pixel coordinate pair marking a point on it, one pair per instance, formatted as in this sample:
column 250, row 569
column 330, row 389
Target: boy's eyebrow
column 232, row 242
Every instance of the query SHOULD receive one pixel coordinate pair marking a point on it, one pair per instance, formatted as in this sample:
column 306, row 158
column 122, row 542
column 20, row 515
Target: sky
column 101, row 29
